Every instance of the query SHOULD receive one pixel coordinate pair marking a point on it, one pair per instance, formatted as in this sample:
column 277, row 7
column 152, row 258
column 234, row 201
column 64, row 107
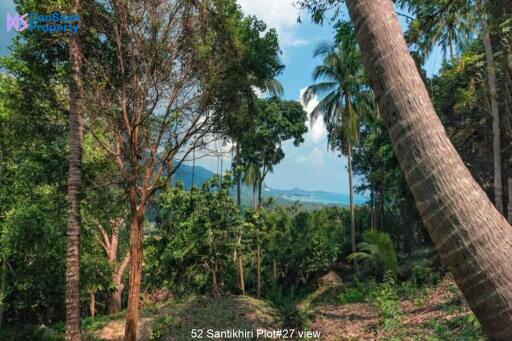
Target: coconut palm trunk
column 74, row 188
column 472, row 237
column 352, row 210
column 496, row 134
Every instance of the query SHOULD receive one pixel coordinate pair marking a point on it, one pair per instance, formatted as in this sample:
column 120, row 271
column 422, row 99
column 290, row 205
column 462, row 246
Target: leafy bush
column 463, row 328
column 424, row 275
column 352, row 295
column 385, row 299
column 377, row 251
column 159, row 327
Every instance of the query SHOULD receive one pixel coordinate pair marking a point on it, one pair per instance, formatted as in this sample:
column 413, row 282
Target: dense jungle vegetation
column 101, row 240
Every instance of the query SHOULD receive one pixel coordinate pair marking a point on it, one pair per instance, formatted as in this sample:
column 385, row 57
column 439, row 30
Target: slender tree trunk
column 255, row 197
column 92, row 304
column 241, row 272
column 260, row 184
column 472, row 237
column 238, row 254
column 274, row 269
column 352, row 210
column 136, row 258
column 496, row 139
column 238, row 176
column 215, row 283
column 74, row 188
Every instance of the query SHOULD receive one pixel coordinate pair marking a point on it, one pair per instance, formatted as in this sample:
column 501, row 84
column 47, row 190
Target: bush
column 377, row 252
column 385, row 299
column 424, row 275
column 352, row 295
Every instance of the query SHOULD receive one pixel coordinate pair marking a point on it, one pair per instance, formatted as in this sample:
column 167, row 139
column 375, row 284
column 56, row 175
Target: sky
column 311, row 166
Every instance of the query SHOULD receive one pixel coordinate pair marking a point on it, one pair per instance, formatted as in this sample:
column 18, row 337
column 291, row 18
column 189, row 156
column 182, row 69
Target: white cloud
column 315, row 157
column 278, row 14
column 298, row 42
column 317, row 132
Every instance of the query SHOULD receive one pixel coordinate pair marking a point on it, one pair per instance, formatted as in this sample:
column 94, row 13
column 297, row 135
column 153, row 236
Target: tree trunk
column 472, row 237
column 215, row 282
column 114, row 301
column 92, row 304
column 260, row 184
column 238, row 176
column 136, row 258
column 241, row 273
column 274, row 269
column 352, row 210
column 255, row 196
column 258, row 271
column 509, row 205
column 238, row 254
column 496, row 138
column 74, row 188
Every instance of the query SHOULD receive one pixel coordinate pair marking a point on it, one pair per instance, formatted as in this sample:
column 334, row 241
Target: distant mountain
column 184, row 173
column 201, row 175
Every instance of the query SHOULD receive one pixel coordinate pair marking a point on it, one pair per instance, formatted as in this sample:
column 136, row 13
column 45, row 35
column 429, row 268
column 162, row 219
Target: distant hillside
column 201, row 175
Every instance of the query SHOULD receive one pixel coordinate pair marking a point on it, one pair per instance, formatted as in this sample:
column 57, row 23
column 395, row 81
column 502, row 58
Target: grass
column 178, row 317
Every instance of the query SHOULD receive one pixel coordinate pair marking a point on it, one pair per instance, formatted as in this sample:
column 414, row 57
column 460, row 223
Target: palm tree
column 74, row 189
column 472, row 237
column 378, row 251
column 450, row 24
column 341, row 85
column 450, row 29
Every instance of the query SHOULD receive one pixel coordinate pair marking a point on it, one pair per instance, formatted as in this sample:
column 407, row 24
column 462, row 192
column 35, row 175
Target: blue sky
column 310, row 166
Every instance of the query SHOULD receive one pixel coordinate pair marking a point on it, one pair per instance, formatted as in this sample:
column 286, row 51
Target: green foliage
column 378, row 252
column 342, row 87
column 385, row 298
column 197, row 229
column 159, row 327
column 424, row 275
column 460, row 328
column 352, row 295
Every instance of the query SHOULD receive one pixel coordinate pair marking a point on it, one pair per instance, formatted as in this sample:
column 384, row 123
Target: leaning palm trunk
column 74, row 189
column 472, row 237
column 496, row 138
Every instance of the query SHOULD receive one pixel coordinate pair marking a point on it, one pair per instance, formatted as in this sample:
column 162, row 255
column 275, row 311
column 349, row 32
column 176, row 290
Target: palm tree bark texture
column 474, row 240
column 74, row 189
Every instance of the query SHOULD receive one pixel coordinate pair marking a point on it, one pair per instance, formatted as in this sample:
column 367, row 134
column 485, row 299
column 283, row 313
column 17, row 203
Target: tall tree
column 449, row 23
column 471, row 236
column 76, row 128
column 496, row 132
column 343, row 93
column 156, row 82
column 275, row 122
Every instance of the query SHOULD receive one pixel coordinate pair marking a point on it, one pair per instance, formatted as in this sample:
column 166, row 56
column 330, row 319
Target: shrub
column 385, row 299
column 378, row 252
column 352, row 295
column 424, row 275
